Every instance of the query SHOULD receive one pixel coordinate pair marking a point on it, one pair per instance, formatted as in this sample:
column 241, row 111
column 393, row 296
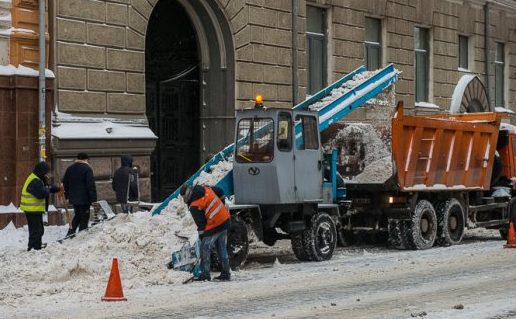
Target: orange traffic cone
column 511, row 237
column 114, row 291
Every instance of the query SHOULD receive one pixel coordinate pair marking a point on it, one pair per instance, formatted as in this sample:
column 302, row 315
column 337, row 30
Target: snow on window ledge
column 500, row 109
column 23, row 71
column 464, row 70
column 427, row 105
column 68, row 126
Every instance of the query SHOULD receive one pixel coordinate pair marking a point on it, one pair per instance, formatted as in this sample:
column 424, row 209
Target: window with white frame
column 463, row 52
column 316, row 48
column 500, row 74
column 373, row 43
column 422, row 48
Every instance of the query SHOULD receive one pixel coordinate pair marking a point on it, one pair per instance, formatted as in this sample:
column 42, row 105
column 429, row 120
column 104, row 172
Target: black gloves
column 54, row 189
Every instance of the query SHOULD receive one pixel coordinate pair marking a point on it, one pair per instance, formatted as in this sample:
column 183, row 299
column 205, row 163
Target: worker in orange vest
column 213, row 220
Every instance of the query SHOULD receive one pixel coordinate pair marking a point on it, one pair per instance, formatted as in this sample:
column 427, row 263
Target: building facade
column 172, row 72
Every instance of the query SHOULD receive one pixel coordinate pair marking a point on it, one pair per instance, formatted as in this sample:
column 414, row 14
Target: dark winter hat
column 41, row 169
column 126, row 160
column 82, row 156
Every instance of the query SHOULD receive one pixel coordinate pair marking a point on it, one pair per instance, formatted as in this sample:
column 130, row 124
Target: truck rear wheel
column 450, row 222
column 423, row 226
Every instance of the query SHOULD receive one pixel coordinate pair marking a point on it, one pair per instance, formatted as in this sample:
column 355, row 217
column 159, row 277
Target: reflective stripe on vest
column 28, row 202
column 214, row 210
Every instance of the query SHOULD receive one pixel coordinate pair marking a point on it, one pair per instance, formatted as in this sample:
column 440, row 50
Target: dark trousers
column 81, row 217
column 36, row 229
column 220, row 239
column 126, row 208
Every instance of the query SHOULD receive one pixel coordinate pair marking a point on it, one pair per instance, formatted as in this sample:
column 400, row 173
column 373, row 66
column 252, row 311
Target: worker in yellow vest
column 34, row 203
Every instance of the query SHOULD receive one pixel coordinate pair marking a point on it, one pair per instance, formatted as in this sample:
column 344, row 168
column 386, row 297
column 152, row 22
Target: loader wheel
column 450, row 222
column 238, row 243
column 320, row 238
column 422, row 229
column 298, row 248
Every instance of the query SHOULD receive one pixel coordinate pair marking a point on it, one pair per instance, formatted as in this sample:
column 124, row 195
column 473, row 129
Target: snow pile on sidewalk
column 142, row 243
column 16, row 238
column 340, row 91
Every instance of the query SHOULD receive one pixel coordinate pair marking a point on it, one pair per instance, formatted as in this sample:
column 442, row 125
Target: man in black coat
column 80, row 191
column 125, row 183
column 34, row 202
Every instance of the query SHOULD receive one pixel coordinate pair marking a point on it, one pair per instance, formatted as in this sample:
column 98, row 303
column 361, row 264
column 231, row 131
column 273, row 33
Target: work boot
column 202, row 278
column 70, row 233
column 223, row 277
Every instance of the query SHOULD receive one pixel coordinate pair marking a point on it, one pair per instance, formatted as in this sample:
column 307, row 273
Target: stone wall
column 263, row 42
column 446, row 20
column 100, row 56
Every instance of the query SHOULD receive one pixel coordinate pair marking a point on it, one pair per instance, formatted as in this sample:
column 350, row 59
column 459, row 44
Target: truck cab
column 278, row 181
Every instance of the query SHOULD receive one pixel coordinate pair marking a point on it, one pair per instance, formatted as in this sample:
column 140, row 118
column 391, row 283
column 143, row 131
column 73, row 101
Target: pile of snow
column 340, row 91
column 362, row 145
column 16, row 238
column 9, row 209
column 377, row 172
column 365, row 147
column 142, row 243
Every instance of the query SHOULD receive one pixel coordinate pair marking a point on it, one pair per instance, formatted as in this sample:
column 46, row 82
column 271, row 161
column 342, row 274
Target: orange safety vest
column 215, row 212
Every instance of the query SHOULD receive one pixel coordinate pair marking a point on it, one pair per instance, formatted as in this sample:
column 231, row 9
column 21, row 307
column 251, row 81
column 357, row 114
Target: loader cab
column 278, row 158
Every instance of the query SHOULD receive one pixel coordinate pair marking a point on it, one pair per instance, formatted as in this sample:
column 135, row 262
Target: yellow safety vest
column 29, row 203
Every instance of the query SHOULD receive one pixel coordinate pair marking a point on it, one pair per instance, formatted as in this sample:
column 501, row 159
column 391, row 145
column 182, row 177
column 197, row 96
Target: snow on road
column 359, row 282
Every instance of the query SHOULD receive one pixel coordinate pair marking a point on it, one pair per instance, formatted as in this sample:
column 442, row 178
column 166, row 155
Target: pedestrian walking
column 213, row 221
column 34, row 203
column 80, row 191
column 125, row 183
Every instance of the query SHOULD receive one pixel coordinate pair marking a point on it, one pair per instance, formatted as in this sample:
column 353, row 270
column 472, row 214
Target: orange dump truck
column 449, row 172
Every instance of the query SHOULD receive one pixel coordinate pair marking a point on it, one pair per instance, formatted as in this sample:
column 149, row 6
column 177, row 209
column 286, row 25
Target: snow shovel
column 187, row 258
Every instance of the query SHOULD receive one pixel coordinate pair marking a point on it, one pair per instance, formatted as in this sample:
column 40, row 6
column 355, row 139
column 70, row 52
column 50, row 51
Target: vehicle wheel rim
column 324, row 237
column 426, row 226
column 452, row 223
column 455, row 224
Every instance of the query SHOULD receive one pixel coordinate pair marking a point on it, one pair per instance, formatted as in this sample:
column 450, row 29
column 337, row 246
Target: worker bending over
column 213, row 220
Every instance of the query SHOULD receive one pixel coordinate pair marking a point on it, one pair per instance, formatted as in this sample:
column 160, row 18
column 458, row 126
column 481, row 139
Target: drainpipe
column 295, row 76
column 487, row 41
column 42, row 88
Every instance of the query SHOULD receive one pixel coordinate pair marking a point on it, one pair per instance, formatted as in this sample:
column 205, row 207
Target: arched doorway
column 189, row 88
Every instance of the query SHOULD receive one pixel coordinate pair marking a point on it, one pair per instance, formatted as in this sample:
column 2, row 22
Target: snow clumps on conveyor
column 142, row 242
column 340, row 91
column 216, row 173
